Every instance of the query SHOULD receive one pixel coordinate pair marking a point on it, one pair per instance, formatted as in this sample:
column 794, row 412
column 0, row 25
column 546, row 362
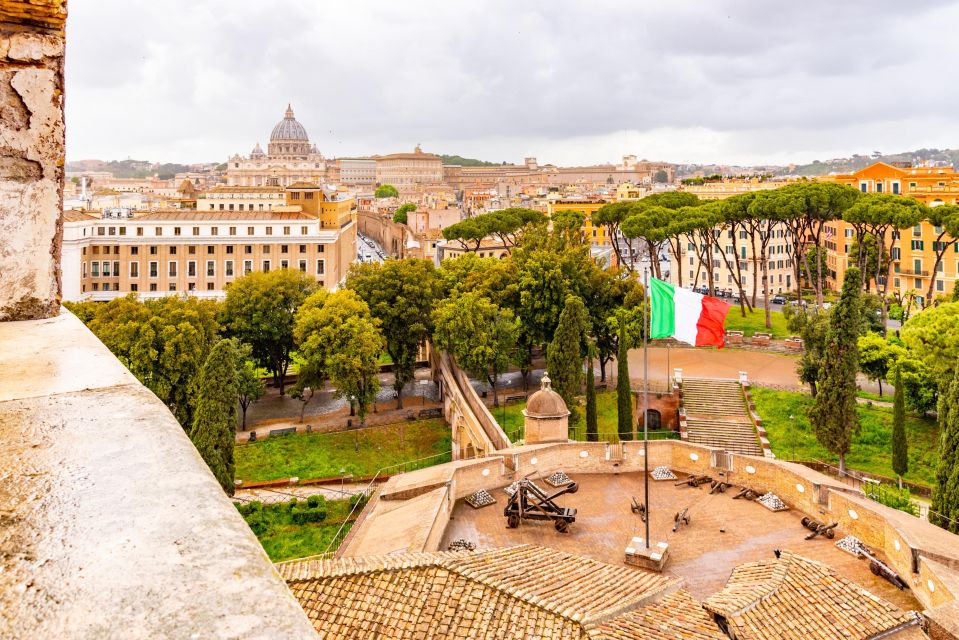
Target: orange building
column 914, row 251
column 597, row 234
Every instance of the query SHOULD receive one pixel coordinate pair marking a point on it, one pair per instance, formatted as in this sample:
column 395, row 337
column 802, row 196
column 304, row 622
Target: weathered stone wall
column 31, row 157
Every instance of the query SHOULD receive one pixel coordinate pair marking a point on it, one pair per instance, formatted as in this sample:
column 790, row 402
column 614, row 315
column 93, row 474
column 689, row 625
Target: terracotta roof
column 677, row 615
column 795, row 598
column 522, row 592
column 72, row 215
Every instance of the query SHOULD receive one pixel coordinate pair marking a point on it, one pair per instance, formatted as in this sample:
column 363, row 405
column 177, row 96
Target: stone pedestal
column 653, row 558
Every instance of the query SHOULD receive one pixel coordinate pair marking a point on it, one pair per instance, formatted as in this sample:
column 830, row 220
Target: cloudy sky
column 735, row 81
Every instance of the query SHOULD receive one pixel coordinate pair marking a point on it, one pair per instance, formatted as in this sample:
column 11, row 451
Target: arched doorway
column 654, row 419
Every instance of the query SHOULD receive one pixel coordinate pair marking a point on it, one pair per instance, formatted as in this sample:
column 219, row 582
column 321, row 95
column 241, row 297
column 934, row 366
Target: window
column 917, row 245
column 284, row 264
column 269, row 231
column 116, row 268
column 210, row 268
column 249, row 231
column 139, row 231
column 134, row 251
column 209, row 286
column 96, row 286
column 95, row 269
column 191, row 268
column 134, row 287
column 176, row 231
column 319, row 248
column 172, row 269
column 302, row 248
column 247, row 266
column 286, row 231
column 123, row 231
column 101, row 231
column 214, row 231
column 917, row 266
column 917, row 231
column 303, row 266
column 863, row 186
column 153, row 270
column 158, row 231
column 191, row 286
column 153, row 286
column 172, row 286
column 266, row 266
column 232, row 231
column 895, row 188
column 304, row 231
column 248, row 248
column 229, row 249
column 229, row 268
column 106, row 268
column 878, row 187
column 172, row 251
column 191, row 250
column 266, row 248
column 153, row 250
column 284, row 248
column 321, row 267
column 134, row 269
column 209, row 250
column 940, row 286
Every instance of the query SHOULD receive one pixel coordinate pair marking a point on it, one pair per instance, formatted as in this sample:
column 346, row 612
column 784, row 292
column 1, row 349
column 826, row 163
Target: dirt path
column 772, row 369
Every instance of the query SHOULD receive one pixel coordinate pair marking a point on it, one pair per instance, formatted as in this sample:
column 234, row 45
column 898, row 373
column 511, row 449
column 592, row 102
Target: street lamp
column 342, row 481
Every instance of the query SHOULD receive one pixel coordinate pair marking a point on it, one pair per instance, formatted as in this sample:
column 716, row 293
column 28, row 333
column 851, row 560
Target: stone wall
column 388, row 234
column 31, row 157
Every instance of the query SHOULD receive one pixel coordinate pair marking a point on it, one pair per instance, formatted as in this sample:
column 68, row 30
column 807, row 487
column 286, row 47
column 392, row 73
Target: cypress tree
column 833, row 415
column 900, row 448
column 214, row 422
column 624, row 396
column 944, row 510
column 592, row 429
column 564, row 355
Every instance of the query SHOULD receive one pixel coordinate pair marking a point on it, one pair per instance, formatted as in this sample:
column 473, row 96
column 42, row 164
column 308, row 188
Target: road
column 367, row 250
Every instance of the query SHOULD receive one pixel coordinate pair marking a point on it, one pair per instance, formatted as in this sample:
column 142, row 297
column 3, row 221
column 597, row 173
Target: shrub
column 291, row 504
column 257, row 523
column 303, row 515
column 315, row 501
column 358, row 499
column 892, row 496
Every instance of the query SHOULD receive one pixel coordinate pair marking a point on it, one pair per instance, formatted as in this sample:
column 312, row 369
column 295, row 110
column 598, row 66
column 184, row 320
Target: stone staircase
column 716, row 416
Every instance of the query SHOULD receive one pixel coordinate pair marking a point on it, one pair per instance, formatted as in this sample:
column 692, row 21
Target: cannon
column 681, row 517
column 819, row 528
column 883, row 570
column 529, row 502
column 718, row 486
column 746, row 494
column 694, row 481
column 640, row 508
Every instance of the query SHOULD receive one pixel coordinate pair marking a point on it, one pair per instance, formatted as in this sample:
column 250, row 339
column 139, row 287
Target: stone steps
column 717, row 416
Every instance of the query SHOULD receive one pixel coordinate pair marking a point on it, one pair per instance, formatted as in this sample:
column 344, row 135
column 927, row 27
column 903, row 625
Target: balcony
column 913, row 272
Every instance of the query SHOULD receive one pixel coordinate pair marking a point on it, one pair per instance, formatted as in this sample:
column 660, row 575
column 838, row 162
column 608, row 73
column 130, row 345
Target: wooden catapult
column 529, row 502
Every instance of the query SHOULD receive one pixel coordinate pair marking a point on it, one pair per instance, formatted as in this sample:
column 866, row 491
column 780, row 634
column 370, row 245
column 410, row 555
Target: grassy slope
column 756, row 322
column 284, row 540
column 511, row 418
column 317, row 455
column 871, row 449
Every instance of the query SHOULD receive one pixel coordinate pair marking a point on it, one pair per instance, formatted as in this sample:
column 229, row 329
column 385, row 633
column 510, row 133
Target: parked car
column 779, row 300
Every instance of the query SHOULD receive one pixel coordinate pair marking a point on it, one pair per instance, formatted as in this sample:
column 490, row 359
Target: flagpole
column 646, row 397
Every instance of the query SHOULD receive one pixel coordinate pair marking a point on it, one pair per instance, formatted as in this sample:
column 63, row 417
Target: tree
column 564, row 357
column 480, row 335
column 401, row 213
column 945, row 220
column 400, row 295
column 163, row 342
column 932, row 338
column 339, row 339
column 592, row 428
column 624, row 394
column 249, row 385
column 260, row 310
column 386, row 191
column 214, row 423
column 944, row 510
column 900, row 448
column 812, row 327
column 833, row 414
column 661, row 177
column 875, row 355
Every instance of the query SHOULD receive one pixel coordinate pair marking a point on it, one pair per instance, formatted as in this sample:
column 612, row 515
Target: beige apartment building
column 406, row 171
column 228, row 198
column 156, row 253
column 779, row 257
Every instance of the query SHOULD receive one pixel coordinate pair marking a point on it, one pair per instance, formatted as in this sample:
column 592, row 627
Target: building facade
column 406, row 171
column 201, row 252
column 289, row 158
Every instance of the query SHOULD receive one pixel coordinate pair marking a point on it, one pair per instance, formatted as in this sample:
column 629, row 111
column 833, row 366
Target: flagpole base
column 652, row 558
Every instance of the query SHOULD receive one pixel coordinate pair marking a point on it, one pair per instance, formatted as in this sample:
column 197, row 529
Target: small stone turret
column 546, row 417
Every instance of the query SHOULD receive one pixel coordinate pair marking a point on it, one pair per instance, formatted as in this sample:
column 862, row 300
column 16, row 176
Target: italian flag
column 687, row 316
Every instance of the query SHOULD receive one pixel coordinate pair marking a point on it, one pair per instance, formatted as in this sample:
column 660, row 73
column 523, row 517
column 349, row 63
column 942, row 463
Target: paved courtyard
column 701, row 553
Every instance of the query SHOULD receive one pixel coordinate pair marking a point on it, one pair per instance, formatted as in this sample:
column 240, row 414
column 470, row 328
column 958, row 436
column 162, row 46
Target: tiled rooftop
column 523, row 591
column 795, row 598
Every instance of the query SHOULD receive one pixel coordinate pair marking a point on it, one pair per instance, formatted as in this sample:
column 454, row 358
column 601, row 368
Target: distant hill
column 934, row 157
column 469, row 162
column 130, row 168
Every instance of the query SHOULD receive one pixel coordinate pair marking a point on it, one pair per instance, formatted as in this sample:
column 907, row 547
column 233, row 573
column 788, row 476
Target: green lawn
column 319, row 455
column 511, row 419
column 755, row 322
column 871, row 449
column 284, row 540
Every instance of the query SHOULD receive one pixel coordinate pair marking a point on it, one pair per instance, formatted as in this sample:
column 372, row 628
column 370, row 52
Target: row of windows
column 214, row 231
column 191, row 249
column 239, row 207
column 135, row 288
column 108, row 269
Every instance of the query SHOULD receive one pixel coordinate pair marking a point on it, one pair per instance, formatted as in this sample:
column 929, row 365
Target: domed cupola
column 289, row 137
column 257, row 152
column 546, row 417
